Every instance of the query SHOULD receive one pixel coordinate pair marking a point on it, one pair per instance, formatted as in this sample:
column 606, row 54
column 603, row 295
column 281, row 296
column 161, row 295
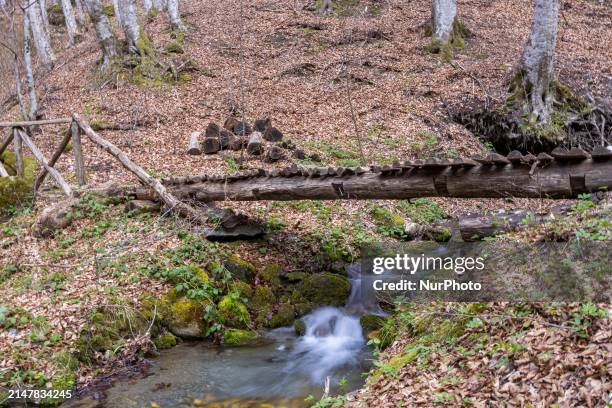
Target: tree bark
column 129, row 22
column 443, row 13
column 27, row 63
column 117, row 8
column 148, row 6
column 536, row 75
column 71, row 25
column 105, row 34
column 44, row 15
column 555, row 180
column 159, row 5
column 175, row 18
column 41, row 38
column 80, row 15
column 194, row 144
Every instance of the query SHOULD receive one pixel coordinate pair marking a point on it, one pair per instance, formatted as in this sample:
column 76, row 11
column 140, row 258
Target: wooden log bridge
column 565, row 174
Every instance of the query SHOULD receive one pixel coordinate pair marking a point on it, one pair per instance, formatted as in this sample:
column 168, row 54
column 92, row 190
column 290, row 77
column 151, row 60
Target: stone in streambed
column 325, row 289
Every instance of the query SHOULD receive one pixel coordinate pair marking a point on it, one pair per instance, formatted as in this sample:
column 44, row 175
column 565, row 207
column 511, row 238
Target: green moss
column 234, row 313
column 144, row 45
column 264, row 296
column 238, row 337
column 284, row 316
column 101, row 343
column 182, row 316
column 240, row 268
column 422, row 210
column 56, row 8
column 108, row 10
column 389, row 223
column 174, row 47
column 325, row 289
column 16, row 191
column 164, row 341
column 300, row 327
column 270, row 274
column 439, row 234
column 243, row 289
column 371, row 322
column 294, row 277
column 456, row 41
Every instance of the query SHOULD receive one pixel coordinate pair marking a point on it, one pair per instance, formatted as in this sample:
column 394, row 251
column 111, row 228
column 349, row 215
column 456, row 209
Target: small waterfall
column 334, row 339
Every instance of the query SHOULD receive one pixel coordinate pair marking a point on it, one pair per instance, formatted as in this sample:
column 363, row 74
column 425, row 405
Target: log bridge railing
column 562, row 174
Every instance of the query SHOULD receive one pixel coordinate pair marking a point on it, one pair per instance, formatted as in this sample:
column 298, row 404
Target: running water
column 281, row 370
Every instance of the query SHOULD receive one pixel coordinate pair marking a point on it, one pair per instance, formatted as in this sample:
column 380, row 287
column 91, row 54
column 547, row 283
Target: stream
column 281, row 370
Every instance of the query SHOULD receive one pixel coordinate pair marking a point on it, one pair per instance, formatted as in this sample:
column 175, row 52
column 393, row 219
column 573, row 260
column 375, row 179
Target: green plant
column 422, row 210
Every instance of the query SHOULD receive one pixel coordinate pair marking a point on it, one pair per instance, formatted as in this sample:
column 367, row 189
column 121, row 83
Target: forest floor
column 297, row 69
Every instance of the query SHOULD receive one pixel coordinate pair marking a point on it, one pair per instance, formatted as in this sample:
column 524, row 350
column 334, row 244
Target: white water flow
column 334, row 339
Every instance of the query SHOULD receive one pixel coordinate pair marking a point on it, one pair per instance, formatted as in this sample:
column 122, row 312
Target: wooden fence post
column 77, row 149
column 18, row 153
column 3, row 172
column 41, row 159
column 7, row 142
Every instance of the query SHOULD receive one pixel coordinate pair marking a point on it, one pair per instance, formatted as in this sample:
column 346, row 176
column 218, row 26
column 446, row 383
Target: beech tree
column 535, row 79
column 41, row 37
column 106, row 37
column 80, row 15
column 71, row 25
column 175, row 19
column 443, row 14
column 129, row 23
column 29, row 73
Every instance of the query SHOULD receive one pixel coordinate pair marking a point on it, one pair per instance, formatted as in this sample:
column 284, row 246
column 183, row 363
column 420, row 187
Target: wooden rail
column 35, row 122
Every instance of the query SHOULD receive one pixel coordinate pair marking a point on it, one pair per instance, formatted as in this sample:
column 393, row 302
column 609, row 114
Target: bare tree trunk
column 159, row 5
column 27, row 63
column 105, row 34
column 536, row 76
column 41, row 39
column 148, row 6
column 80, row 15
column 44, row 15
column 175, row 17
column 326, row 7
column 129, row 20
column 443, row 13
column 71, row 26
column 117, row 7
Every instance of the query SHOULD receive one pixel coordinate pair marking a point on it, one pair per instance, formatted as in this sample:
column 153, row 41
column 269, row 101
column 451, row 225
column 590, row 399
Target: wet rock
column 236, row 337
column 184, row 318
column 371, row 322
column 272, row 134
column 325, row 289
column 262, row 124
column 284, row 316
column 325, row 329
column 299, row 327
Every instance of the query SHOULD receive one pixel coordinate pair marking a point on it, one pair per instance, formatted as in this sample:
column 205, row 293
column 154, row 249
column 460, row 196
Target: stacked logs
column 260, row 140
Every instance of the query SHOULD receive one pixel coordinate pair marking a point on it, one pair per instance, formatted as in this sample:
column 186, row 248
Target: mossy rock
column 165, row 340
column 295, row 277
column 370, row 323
column 237, row 337
column 240, row 269
column 439, row 234
column 284, row 316
column 243, row 289
column 234, row 313
column 303, row 308
column 326, row 289
column 264, row 296
column 300, row 327
column 16, row 191
column 183, row 317
column 271, row 274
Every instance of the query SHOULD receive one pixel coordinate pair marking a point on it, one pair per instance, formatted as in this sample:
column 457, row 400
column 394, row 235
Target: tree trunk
column 80, row 15
column 117, row 8
column 148, row 6
column 129, row 22
column 44, row 15
column 175, row 18
column 159, row 5
column 71, row 26
column 536, row 76
column 443, row 13
column 105, row 34
column 41, row 39
column 27, row 63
